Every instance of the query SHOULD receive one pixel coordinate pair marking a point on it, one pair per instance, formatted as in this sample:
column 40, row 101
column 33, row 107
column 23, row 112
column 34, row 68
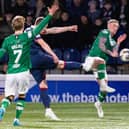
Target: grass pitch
column 74, row 116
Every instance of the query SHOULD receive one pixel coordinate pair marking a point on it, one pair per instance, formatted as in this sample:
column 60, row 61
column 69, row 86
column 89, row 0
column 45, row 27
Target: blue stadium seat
column 112, row 61
column 84, row 53
column 71, row 54
column 119, row 61
column 58, row 52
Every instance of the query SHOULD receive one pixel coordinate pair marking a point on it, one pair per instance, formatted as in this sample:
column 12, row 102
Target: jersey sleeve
column 106, row 34
column 3, row 50
column 34, row 32
column 29, row 30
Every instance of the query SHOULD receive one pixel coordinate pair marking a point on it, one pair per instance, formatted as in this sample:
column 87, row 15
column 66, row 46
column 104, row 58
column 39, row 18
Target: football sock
column 5, row 103
column 72, row 65
column 19, row 108
column 102, row 96
column 44, row 97
column 101, row 71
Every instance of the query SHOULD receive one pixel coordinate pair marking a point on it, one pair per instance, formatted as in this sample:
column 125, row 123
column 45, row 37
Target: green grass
column 74, row 116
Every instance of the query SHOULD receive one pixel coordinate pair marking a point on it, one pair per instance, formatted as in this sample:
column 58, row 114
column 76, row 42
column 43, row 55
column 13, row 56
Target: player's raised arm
column 120, row 39
column 45, row 21
column 47, row 48
column 56, row 30
column 102, row 41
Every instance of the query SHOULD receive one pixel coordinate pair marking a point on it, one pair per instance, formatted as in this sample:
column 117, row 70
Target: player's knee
column 99, row 61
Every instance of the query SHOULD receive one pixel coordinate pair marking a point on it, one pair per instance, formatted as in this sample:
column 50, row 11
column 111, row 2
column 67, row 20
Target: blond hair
column 113, row 21
column 18, row 23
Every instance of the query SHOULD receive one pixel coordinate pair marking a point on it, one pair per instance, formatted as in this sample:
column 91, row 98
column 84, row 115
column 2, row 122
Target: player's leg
column 4, row 104
column 42, row 60
column 10, row 90
column 19, row 109
column 69, row 65
column 46, row 100
column 46, row 61
column 22, row 88
column 101, row 77
column 40, row 77
column 101, row 98
column 98, row 65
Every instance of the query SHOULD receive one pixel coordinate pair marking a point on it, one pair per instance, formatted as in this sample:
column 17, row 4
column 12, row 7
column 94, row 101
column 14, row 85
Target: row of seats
column 72, row 54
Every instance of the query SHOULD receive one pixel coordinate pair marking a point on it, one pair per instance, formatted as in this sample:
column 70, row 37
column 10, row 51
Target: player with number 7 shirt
column 17, row 47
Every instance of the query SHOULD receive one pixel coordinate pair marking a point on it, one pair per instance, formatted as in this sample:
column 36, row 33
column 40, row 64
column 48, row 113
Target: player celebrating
column 17, row 46
column 103, row 46
column 42, row 60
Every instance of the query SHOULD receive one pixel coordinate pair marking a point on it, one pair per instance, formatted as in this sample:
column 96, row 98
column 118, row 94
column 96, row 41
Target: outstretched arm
column 46, row 47
column 120, row 39
column 56, row 30
column 114, row 52
column 45, row 21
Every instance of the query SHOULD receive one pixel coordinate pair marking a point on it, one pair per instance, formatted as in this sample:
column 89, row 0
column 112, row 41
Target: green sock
column 102, row 96
column 19, row 108
column 101, row 71
column 5, row 103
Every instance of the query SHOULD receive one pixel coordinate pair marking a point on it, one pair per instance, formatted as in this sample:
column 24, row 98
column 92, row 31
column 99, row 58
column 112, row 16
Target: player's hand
column 73, row 28
column 121, row 38
column 53, row 9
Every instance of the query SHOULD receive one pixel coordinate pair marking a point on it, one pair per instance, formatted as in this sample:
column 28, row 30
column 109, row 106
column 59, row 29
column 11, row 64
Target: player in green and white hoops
column 103, row 46
column 17, row 46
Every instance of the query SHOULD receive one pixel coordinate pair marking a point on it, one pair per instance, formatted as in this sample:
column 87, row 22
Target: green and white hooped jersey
column 109, row 44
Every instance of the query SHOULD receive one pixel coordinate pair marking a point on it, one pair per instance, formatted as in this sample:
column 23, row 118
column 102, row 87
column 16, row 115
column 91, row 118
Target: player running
column 103, row 46
column 17, row 46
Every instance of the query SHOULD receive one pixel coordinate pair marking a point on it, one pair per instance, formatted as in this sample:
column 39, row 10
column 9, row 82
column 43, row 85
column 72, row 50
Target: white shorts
column 89, row 61
column 17, row 83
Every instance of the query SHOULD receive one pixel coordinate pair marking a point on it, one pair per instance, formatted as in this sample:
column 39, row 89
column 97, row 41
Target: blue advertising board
column 81, row 89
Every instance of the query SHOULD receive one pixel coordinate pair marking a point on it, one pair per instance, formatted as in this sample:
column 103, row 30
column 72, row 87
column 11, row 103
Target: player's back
column 18, row 49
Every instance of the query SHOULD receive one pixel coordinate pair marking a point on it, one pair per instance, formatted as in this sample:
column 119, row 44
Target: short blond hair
column 18, row 23
column 113, row 21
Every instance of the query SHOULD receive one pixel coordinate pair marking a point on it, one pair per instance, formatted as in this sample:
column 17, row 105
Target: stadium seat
column 58, row 52
column 119, row 61
column 112, row 61
column 71, row 54
column 84, row 53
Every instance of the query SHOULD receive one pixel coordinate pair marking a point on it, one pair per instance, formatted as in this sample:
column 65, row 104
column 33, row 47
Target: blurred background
column 90, row 15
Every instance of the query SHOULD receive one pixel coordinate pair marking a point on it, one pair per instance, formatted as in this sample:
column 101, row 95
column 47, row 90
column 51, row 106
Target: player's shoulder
column 104, row 31
column 29, row 28
column 9, row 37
